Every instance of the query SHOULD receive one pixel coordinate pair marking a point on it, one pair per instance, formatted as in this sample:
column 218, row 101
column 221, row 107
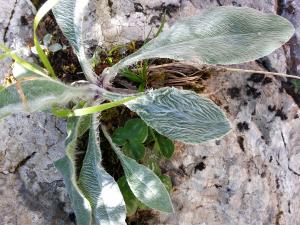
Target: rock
column 31, row 190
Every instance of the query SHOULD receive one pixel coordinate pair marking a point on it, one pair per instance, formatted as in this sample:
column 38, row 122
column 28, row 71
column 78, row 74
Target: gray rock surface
column 250, row 177
column 31, row 190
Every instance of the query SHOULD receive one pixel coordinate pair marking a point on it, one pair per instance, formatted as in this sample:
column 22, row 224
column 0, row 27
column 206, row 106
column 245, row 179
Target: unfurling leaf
column 179, row 114
column 37, row 93
column 223, row 35
column 103, row 193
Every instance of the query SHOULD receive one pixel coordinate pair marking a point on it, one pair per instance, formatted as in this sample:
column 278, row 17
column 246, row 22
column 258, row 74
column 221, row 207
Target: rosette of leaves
column 223, row 35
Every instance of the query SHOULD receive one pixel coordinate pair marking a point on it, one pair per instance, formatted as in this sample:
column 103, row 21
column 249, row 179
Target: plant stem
column 260, row 72
column 99, row 108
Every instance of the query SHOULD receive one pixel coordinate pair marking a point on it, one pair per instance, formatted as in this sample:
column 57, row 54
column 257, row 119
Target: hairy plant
column 223, row 35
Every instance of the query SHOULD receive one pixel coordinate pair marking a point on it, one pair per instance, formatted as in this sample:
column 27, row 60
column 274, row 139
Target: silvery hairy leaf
column 34, row 93
column 69, row 16
column 179, row 114
column 223, row 35
column 144, row 184
column 103, row 193
column 66, row 166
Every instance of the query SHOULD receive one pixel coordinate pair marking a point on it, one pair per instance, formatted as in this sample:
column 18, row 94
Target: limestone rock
column 31, row 190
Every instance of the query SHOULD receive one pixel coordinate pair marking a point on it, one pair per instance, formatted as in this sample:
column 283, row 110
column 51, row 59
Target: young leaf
column 36, row 93
column 134, row 150
column 144, row 184
column 223, row 35
column 108, row 206
column 69, row 16
column 66, row 166
column 179, row 115
column 163, row 145
column 135, row 130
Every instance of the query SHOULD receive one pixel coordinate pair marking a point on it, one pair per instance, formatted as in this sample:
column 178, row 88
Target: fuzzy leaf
column 36, row 93
column 66, row 166
column 179, row 114
column 223, row 35
column 108, row 206
column 69, row 16
column 144, row 184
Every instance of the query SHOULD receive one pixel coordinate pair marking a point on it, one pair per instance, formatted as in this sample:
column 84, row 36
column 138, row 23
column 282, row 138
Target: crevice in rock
column 9, row 21
column 293, row 171
column 23, row 162
column 219, row 3
column 279, row 6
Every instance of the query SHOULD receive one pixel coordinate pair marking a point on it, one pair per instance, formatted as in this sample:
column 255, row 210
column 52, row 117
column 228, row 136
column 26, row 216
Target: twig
column 260, row 72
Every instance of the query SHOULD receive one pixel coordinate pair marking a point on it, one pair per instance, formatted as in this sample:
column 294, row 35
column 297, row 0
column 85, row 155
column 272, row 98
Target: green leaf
column 69, row 16
column 137, row 130
column 31, row 67
column 66, row 166
column 103, row 193
column 131, row 201
column 223, row 35
column 163, row 145
column 153, row 165
column 134, row 130
column 61, row 112
column 134, row 150
column 37, row 93
column 166, row 180
column 179, row 114
column 120, row 136
column 40, row 14
column 130, row 75
column 144, row 184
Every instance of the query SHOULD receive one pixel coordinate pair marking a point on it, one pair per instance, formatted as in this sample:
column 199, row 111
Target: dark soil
column 64, row 62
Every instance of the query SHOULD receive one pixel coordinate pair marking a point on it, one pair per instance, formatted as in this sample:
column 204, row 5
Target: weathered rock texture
column 31, row 190
column 250, row 177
